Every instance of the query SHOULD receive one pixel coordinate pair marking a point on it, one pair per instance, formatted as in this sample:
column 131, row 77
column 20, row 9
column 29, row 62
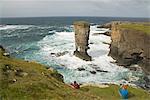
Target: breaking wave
column 54, row 47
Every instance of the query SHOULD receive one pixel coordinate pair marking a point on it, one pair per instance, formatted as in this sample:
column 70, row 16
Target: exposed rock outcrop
column 130, row 44
column 107, row 25
column 81, row 69
column 59, row 54
column 2, row 50
column 82, row 30
column 108, row 33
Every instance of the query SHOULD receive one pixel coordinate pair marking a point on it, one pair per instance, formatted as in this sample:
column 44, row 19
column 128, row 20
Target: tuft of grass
column 143, row 27
column 83, row 23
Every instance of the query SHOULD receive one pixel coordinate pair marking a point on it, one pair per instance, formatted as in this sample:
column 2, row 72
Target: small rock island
column 82, row 31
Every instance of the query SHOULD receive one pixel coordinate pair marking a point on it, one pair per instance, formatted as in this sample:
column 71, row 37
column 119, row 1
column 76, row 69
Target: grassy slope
column 111, row 93
column 144, row 27
column 40, row 83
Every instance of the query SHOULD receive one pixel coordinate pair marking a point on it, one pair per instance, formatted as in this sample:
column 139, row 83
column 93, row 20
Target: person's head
column 124, row 86
column 75, row 82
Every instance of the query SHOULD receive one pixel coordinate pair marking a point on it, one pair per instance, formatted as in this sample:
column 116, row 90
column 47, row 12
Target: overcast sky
column 37, row 8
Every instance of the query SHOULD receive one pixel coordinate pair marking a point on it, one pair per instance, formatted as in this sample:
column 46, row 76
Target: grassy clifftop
column 130, row 44
column 22, row 80
column 144, row 27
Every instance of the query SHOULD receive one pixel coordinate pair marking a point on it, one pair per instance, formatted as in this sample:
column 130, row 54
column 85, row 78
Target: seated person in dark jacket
column 75, row 85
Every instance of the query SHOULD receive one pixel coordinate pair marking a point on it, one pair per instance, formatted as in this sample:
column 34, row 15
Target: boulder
column 93, row 72
column 6, row 54
column 20, row 73
column 80, row 69
column 98, row 70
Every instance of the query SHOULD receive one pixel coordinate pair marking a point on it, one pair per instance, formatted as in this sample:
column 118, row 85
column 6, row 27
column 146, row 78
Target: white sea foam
column 94, row 29
column 64, row 41
column 7, row 27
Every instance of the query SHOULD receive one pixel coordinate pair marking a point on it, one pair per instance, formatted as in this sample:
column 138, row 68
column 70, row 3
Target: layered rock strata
column 82, row 31
column 131, row 44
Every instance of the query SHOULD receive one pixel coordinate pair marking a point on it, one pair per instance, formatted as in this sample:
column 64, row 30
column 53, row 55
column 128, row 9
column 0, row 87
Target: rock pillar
column 82, row 30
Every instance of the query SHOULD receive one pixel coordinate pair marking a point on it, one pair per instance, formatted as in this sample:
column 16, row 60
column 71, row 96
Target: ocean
column 50, row 41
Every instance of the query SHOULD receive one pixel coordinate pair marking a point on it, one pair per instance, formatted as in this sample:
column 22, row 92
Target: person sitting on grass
column 75, row 85
column 124, row 92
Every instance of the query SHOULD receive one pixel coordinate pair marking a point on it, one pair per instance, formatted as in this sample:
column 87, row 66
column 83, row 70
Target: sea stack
column 82, row 31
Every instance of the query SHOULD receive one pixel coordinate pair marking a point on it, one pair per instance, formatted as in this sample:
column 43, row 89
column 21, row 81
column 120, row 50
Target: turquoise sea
column 50, row 41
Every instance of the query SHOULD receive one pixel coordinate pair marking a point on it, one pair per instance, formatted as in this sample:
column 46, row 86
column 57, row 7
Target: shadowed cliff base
column 83, row 56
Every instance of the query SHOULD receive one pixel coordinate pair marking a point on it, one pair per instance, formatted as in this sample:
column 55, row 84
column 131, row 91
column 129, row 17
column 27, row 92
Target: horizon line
column 72, row 16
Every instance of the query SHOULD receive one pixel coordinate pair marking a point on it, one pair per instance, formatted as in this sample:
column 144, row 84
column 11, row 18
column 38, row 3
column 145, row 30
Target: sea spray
column 45, row 49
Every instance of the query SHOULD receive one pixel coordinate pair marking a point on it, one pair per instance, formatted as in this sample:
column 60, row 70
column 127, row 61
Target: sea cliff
column 130, row 44
column 25, row 80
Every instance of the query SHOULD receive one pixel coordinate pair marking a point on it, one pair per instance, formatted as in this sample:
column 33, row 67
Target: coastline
column 47, row 84
column 12, row 66
column 101, row 65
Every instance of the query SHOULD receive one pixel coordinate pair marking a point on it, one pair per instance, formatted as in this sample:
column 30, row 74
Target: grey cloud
column 124, row 8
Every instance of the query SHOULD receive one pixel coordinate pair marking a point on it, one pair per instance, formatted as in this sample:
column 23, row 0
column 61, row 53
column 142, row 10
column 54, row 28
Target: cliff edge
column 131, row 44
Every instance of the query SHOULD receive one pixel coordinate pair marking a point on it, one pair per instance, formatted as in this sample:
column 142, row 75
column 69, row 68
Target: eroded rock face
column 2, row 50
column 82, row 30
column 130, row 46
column 109, row 25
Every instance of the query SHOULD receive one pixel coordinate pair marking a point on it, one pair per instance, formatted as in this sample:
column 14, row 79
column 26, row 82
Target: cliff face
column 82, row 30
column 130, row 44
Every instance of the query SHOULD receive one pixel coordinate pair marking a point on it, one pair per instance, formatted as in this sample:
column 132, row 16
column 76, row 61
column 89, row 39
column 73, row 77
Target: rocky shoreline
column 37, row 82
column 130, row 45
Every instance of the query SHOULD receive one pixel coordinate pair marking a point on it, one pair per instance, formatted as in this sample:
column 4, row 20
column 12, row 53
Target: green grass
column 81, row 23
column 111, row 93
column 40, row 83
column 143, row 27
column 43, row 84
